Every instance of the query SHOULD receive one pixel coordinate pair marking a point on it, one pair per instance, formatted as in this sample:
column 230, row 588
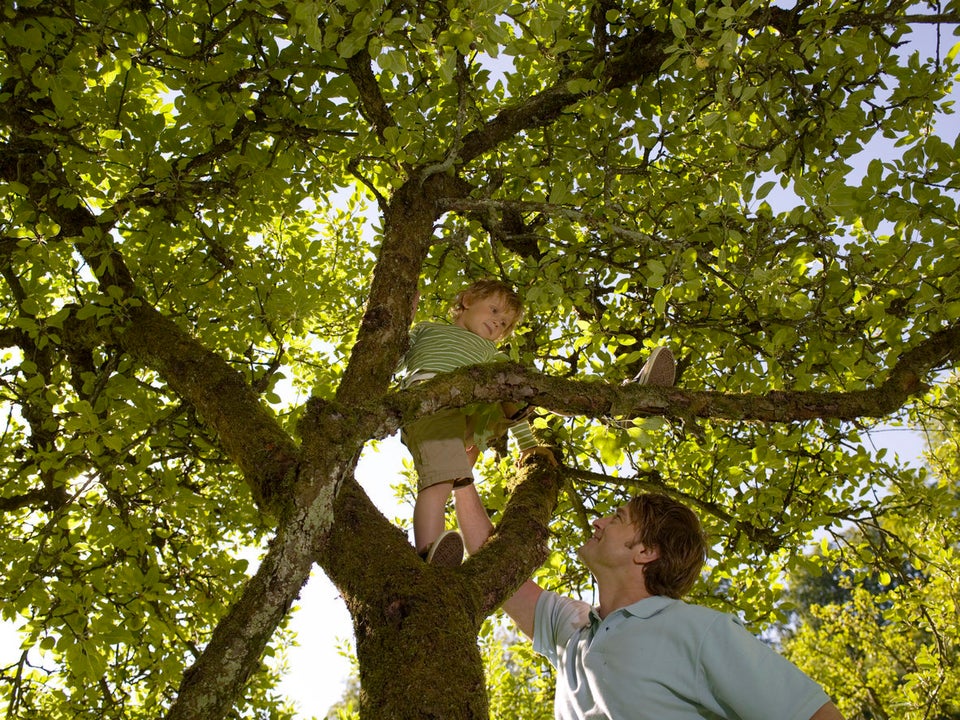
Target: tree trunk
column 416, row 625
column 418, row 651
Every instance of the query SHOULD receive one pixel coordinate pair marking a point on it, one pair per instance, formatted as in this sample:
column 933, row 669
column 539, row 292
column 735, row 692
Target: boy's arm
column 529, row 445
column 475, row 526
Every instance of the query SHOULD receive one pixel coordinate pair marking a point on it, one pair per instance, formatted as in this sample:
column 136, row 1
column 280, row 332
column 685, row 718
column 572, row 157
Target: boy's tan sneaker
column 660, row 369
column 447, row 550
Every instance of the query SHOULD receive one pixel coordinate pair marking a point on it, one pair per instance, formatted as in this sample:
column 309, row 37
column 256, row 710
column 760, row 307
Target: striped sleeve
column 523, row 434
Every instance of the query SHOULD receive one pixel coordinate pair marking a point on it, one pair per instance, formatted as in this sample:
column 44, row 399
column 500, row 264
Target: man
column 643, row 653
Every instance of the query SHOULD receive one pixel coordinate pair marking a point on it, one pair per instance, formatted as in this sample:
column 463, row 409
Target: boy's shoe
column 660, row 369
column 447, row 550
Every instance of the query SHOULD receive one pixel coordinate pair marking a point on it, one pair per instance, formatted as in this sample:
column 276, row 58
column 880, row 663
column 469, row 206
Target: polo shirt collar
column 648, row 607
column 643, row 609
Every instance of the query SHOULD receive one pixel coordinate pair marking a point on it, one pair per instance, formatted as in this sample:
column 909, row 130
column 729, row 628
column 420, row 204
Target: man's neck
column 614, row 596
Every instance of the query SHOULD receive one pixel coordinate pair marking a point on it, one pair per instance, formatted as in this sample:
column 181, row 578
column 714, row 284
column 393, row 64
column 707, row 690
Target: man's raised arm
column 476, row 527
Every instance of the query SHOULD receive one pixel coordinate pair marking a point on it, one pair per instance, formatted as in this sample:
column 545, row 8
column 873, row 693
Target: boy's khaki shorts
column 438, row 445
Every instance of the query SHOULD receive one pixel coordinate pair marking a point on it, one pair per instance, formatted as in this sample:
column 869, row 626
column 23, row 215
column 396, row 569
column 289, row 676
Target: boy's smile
column 487, row 317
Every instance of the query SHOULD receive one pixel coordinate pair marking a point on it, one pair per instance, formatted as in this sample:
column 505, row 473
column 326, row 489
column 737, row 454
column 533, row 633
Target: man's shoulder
column 705, row 614
column 557, row 618
column 692, row 617
column 575, row 613
column 554, row 598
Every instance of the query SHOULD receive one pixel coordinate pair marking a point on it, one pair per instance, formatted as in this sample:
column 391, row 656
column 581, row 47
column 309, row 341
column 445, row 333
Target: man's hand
column 542, row 450
column 514, row 413
column 473, row 452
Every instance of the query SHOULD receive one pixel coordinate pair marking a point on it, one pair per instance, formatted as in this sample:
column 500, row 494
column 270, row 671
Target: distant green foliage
column 876, row 617
column 520, row 683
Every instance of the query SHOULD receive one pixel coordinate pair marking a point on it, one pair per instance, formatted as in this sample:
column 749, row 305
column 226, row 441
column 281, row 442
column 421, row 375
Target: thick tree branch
column 505, row 381
column 636, row 57
column 263, row 451
column 212, row 685
column 372, row 105
column 305, row 535
column 382, row 339
column 51, row 497
column 632, row 59
column 516, row 208
column 388, row 588
column 542, row 109
column 259, row 446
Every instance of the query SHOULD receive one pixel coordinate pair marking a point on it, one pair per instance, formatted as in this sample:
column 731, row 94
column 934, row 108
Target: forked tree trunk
column 415, row 625
column 418, row 653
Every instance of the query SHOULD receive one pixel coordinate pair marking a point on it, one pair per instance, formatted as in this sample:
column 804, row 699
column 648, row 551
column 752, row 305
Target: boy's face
column 487, row 317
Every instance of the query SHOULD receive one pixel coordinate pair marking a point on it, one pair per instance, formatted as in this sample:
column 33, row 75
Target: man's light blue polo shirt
column 662, row 659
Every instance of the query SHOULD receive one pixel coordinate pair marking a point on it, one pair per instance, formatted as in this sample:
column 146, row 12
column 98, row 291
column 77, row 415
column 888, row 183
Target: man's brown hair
column 674, row 530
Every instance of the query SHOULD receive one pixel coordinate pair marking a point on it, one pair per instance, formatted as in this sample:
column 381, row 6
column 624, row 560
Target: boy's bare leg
column 428, row 512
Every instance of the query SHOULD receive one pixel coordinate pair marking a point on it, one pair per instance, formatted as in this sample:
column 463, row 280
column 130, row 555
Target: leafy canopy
column 214, row 211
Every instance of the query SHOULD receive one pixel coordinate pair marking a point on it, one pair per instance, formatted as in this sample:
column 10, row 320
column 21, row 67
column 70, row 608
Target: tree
column 212, row 208
column 876, row 617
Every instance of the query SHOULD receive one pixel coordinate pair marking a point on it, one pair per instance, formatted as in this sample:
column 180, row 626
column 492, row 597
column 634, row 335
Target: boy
column 446, row 445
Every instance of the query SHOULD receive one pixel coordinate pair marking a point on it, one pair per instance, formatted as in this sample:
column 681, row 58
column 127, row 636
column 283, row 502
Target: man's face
column 487, row 317
column 611, row 544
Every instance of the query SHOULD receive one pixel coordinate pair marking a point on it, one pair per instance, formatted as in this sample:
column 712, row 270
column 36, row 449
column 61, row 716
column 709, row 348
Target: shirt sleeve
column 744, row 678
column 555, row 620
column 411, row 341
column 523, row 434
